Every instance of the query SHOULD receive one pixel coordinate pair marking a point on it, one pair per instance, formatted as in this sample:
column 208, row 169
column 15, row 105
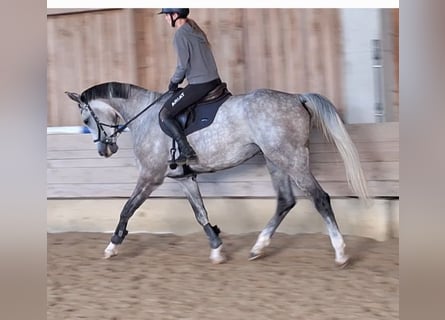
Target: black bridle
column 111, row 139
column 107, row 139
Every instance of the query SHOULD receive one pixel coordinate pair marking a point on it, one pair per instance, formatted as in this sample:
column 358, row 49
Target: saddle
column 201, row 114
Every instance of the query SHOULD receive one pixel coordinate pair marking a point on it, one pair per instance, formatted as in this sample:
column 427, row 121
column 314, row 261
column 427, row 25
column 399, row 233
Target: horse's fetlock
column 212, row 233
column 119, row 237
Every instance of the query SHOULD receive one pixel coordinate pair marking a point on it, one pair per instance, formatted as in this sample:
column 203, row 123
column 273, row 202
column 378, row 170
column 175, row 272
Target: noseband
column 102, row 135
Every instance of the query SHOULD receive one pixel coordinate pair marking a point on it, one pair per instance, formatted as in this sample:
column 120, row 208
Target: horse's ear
column 74, row 96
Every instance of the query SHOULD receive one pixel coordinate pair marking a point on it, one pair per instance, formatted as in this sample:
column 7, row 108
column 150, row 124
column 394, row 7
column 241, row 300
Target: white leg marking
column 110, row 251
column 339, row 246
column 216, row 255
column 261, row 243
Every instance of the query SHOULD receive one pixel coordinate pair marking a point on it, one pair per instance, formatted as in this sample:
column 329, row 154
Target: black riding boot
column 187, row 155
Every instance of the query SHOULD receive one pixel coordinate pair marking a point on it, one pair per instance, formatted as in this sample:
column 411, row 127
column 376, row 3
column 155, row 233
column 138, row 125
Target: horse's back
column 268, row 109
column 260, row 114
column 269, row 100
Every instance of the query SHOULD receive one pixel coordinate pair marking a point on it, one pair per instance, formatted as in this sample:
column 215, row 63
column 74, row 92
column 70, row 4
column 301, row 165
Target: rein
column 117, row 129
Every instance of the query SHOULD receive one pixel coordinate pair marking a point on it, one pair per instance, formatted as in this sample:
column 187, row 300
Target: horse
column 274, row 123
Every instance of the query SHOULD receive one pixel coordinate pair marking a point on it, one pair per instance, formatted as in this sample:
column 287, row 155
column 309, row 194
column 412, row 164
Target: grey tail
column 325, row 117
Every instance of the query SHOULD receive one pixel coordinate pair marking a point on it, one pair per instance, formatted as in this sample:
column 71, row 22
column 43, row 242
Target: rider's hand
column 172, row 86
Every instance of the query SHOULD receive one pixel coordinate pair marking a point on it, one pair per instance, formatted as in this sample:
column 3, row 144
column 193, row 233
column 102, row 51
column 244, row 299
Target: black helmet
column 182, row 12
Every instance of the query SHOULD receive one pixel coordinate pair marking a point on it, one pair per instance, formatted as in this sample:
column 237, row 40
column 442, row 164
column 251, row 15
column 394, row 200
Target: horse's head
column 102, row 121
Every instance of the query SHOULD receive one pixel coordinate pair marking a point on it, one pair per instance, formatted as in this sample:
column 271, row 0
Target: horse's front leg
column 191, row 190
column 142, row 191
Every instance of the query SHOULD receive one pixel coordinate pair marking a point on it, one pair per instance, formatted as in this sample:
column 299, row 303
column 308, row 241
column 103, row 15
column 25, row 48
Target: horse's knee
column 291, row 203
column 285, row 204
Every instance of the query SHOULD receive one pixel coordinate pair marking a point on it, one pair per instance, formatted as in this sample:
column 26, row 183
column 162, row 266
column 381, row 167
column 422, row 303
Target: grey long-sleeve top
column 195, row 59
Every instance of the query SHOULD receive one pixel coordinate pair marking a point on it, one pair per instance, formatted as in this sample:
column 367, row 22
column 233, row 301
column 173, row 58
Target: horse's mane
column 108, row 90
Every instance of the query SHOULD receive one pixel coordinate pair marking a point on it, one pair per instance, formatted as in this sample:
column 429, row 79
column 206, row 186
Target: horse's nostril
column 113, row 148
column 102, row 149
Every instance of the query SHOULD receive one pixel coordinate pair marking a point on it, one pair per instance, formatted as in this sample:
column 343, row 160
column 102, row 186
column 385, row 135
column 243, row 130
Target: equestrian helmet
column 182, row 12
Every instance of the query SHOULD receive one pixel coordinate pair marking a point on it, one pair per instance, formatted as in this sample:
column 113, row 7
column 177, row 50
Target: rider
column 196, row 63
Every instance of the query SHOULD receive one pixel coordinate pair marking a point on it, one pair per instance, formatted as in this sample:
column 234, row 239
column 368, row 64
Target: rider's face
column 170, row 17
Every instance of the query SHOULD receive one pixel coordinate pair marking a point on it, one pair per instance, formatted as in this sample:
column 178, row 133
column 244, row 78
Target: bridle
column 102, row 135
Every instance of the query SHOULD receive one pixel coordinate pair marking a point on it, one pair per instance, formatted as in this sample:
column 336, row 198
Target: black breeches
column 184, row 98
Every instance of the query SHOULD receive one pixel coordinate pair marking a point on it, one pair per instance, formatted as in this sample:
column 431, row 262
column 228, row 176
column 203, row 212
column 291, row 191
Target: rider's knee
column 165, row 113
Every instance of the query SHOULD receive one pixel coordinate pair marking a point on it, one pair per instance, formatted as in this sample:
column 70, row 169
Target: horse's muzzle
column 107, row 149
column 113, row 148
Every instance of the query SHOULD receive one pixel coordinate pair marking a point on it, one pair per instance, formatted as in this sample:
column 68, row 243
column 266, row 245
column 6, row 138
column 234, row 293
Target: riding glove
column 172, row 86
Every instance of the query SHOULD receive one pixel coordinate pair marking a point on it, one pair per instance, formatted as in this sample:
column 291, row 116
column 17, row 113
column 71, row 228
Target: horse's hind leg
column 298, row 169
column 191, row 190
column 306, row 182
column 322, row 202
column 285, row 202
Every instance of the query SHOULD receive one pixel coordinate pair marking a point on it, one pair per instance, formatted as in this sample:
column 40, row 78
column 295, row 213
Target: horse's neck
column 132, row 108
column 143, row 125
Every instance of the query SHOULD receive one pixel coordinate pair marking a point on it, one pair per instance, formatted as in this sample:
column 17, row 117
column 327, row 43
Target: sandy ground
column 170, row 277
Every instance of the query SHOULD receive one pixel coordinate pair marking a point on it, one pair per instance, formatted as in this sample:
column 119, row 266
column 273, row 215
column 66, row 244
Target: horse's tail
column 327, row 119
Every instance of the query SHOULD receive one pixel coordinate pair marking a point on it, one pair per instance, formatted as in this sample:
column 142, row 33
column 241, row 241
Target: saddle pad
column 199, row 116
column 203, row 115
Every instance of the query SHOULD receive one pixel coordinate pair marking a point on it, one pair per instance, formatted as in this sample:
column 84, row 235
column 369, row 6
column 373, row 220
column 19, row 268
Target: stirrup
column 183, row 159
column 172, row 161
column 192, row 159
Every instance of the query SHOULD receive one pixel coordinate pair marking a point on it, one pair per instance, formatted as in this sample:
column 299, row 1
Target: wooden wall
column 85, row 49
column 293, row 50
column 75, row 170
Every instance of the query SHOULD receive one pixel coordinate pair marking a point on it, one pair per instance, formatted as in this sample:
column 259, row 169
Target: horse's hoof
column 110, row 251
column 255, row 255
column 109, row 254
column 257, row 250
column 216, row 256
column 343, row 263
column 219, row 260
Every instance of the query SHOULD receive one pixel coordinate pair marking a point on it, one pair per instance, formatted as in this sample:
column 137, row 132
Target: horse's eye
column 85, row 118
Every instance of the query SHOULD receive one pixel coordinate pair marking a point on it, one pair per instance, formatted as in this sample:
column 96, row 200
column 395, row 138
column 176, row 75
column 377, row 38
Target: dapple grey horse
column 268, row 121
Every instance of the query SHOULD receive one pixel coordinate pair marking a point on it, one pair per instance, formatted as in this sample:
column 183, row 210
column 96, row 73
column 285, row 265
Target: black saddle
column 201, row 114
